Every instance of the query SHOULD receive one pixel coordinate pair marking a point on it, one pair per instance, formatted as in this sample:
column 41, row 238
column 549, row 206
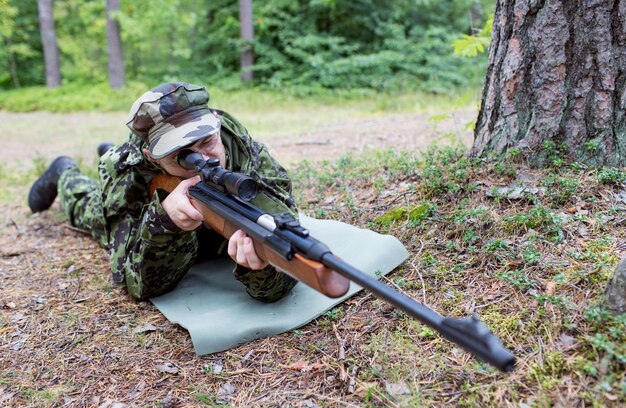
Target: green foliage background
column 299, row 44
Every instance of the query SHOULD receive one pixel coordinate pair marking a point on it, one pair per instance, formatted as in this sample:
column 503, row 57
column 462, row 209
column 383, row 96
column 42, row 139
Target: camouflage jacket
column 147, row 249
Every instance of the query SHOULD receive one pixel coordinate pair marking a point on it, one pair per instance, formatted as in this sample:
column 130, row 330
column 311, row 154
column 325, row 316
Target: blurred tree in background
column 49, row 42
column 114, row 45
column 246, row 29
column 307, row 44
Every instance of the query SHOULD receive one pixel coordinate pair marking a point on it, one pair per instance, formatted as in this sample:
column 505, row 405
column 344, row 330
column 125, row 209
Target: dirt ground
column 531, row 264
column 71, row 338
column 46, row 135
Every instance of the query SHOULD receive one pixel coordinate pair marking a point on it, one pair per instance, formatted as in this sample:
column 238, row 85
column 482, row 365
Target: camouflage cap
column 172, row 116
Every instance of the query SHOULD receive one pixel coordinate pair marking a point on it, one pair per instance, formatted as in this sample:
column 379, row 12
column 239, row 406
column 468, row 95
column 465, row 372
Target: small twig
column 356, row 307
column 80, row 230
column 421, row 281
column 494, row 301
column 343, row 376
column 342, row 350
column 17, row 227
column 385, row 206
column 391, row 283
column 77, row 291
column 619, row 222
column 236, row 372
column 540, row 344
column 418, row 271
column 352, row 380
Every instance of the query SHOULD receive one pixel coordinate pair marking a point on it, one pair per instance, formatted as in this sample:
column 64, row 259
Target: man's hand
column 241, row 250
column 179, row 208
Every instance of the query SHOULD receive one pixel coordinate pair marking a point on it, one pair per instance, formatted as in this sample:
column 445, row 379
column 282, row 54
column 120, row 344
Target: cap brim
column 175, row 138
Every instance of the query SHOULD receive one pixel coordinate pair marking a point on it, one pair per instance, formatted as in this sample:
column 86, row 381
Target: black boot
column 103, row 148
column 44, row 189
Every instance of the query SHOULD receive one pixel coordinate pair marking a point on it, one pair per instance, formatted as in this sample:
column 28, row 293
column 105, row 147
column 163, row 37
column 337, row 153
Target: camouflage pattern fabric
column 148, row 251
column 81, row 203
column 172, row 116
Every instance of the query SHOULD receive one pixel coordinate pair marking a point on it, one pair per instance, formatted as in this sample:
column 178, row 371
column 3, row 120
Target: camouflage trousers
column 81, row 201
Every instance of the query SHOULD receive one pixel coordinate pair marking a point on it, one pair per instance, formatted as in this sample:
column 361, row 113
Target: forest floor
column 529, row 251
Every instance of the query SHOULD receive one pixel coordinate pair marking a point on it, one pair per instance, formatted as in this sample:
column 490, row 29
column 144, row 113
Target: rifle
column 223, row 197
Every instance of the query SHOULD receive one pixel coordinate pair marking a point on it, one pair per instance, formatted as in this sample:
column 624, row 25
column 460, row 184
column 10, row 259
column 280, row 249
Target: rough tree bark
column 247, row 37
column 49, row 42
column 557, row 71
column 114, row 46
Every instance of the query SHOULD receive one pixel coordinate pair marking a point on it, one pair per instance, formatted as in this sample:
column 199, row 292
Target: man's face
column 209, row 147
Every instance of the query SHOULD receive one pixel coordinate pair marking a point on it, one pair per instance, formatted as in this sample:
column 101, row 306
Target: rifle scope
column 211, row 172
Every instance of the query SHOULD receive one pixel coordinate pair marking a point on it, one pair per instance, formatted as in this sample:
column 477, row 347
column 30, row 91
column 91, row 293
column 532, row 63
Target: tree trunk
column 557, row 71
column 114, row 46
column 49, row 42
column 247, row 37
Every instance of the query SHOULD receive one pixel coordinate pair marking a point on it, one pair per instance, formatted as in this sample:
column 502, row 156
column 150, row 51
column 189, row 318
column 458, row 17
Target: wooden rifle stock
column 310, row 272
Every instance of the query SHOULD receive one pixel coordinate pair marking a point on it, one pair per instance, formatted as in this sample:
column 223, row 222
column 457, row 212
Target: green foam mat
column 218, row 313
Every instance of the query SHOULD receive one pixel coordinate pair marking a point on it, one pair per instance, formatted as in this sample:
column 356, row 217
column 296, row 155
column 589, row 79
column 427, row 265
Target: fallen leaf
column 145, row 328
column 364, row 388
column 168, row 402
column 309, row 403
column 224, row 393
column 137, row 390
column 567, row 341
column 167, row 368
column 5, row 396
column 605, row 363
column 217, row 368
column 620, row 197
column 109, row 403
column 298, row 365
column 397, row 389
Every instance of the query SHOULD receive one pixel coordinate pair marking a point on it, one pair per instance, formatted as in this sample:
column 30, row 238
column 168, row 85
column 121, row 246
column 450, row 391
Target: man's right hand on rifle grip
column 178, row 206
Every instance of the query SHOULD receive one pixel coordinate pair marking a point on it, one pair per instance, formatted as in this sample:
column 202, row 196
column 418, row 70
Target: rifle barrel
column 471, row 334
